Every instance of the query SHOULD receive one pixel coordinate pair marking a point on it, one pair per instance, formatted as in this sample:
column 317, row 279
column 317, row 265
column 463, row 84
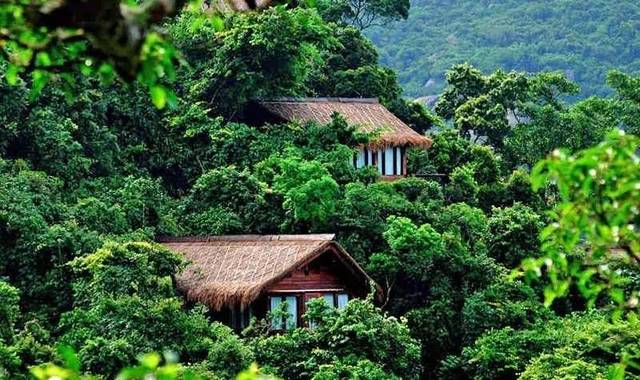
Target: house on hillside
column 392, row 137
column 239, row 277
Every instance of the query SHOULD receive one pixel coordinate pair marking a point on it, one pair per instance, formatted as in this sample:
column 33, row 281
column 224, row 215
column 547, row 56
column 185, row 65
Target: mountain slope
column 583, row 38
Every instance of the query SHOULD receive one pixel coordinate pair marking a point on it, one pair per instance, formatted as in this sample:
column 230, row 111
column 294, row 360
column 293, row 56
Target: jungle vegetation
column 520, row 262
column 583, row 39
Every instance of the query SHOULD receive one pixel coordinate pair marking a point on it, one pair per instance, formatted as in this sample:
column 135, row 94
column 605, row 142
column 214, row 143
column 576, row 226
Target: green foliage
column 626, row 99
column 579, row 126
column 463, row 186
column 83, row 179
column 598, row 212
column 364, row 14
column 512, row 234
column 18, row 348
column 257, row 55
column 358, row 339
column 549, row 349
column 125, row 305
column 486, row 107
column 582, row 39
column 52, row 41
column 150, row 365
column 362, row 214
column 9, row 310
column 343, row 369
column 504, row 303
column 223, row 201
column 448, row 151
column 411, row 249
column 309, row 192
column 464, row 221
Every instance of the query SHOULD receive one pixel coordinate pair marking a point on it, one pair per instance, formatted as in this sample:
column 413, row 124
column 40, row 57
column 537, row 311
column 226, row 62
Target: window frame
column 283, row 326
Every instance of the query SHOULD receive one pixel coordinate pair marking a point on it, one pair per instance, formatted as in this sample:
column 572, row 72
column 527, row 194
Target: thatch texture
column 235, row 270
column 367, row 114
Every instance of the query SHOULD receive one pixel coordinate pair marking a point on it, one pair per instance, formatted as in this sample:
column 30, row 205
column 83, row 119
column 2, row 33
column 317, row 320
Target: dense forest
column 583, row 39
column 510, row 252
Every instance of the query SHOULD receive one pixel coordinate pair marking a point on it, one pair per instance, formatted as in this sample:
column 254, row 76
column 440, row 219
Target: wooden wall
column 323, row 274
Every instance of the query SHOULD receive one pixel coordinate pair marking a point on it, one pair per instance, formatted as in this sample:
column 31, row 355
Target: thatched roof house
column 391, row 136
column 244, row 272
column 368, row 114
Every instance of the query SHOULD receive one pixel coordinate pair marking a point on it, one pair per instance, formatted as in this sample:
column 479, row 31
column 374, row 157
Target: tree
column 125, row 305
column 627, row 99
column 359, row 338
column 550, row 127
column 364, row 14
column 512, row 234
column 309, row 192
column 597, row 213
column 487, row 107
column 258, row 55
column 223, row 201
column 58, row 37
column 586, row 342
column 53, row 39
column 462, row 186
column 411, row 249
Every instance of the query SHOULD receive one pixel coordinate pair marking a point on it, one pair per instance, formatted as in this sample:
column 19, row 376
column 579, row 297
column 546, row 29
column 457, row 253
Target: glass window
column 388, row 157
column 287, row 318
column 292, row 313
column 328, row 298
column 342, row 300
column 380, row 155
column 398, row 160
column 360, row 159
column 276, row 318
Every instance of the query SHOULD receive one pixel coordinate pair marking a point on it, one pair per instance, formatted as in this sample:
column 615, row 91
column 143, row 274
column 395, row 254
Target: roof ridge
column 205, row 239
column 319, row 100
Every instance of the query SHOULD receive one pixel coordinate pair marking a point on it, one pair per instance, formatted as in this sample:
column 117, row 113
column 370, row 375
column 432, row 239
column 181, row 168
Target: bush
column 468, row 222
column 587, row 342
column 223, row 201
column 126, row 305
column 505, row 303
column 462, row 187
column 358, row 339
column 513, row 234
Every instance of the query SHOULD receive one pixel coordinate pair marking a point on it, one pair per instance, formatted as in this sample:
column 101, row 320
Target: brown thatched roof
column 368, row 114
column 235, row 270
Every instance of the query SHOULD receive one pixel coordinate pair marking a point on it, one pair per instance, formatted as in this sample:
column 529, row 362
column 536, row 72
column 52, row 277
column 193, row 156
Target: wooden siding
column 320, row 275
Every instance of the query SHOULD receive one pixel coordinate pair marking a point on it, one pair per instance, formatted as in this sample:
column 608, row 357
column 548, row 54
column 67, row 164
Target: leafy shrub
column 357, row 339
column 125, row 305
column 462, row 186
column 512, row 234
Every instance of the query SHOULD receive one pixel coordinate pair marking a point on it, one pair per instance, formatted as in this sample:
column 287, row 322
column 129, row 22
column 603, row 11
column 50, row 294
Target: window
column 338, row 300
column 240, row 318
column 364, row 157
column 284, row 317
column 333, row 300
column 342, row 300
column 389, row 167
column 360, row 159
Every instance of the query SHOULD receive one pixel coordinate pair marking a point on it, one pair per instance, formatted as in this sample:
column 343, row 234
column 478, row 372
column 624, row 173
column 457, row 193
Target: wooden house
column 239, row 277
column 391, row 136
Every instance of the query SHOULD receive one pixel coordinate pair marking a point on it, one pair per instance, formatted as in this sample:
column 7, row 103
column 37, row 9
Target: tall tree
column 364, row 14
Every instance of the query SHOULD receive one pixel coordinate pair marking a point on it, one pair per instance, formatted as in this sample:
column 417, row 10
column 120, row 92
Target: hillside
column 583, row 38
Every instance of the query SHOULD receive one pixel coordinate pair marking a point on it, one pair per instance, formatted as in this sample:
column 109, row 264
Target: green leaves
column 593, row 239
column 11, row 75
column 158, row 96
